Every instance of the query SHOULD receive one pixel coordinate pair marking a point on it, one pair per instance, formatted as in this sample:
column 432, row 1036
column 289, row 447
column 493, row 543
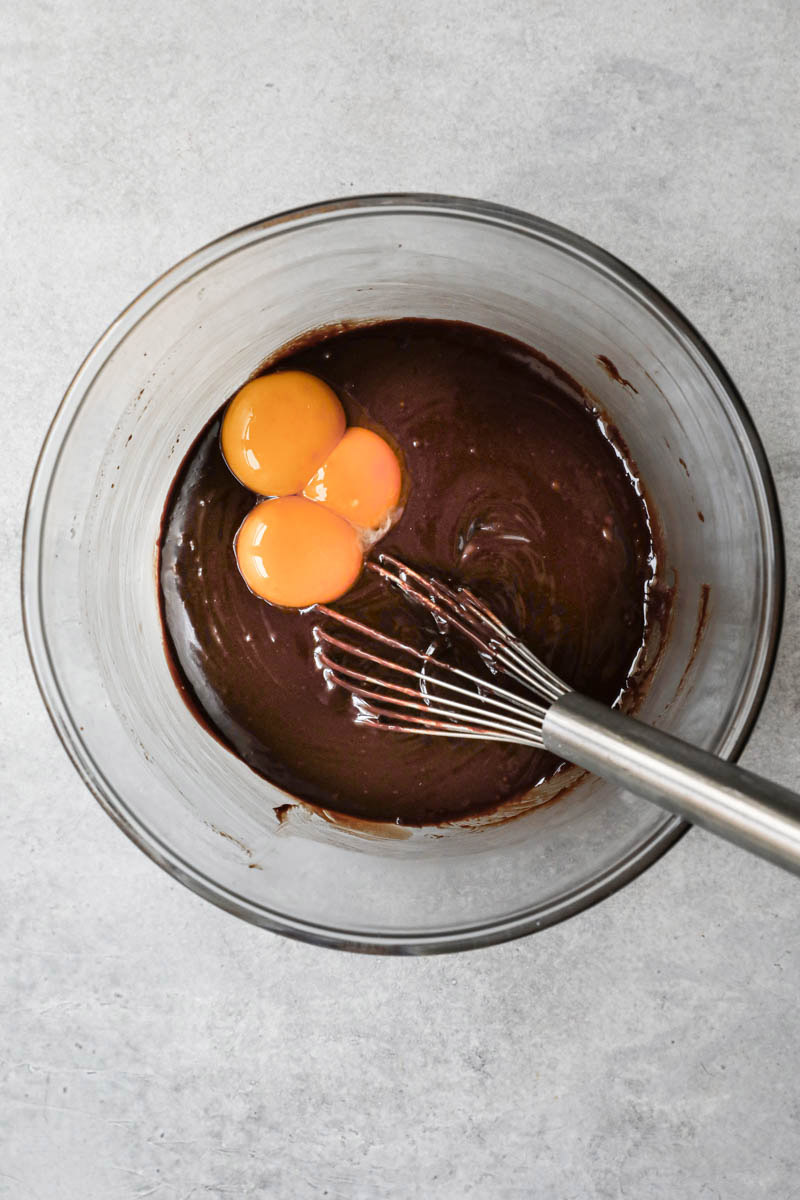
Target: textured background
column 150, row 1045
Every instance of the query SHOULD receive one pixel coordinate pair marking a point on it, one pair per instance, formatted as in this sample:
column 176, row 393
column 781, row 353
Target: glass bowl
column 89, row 564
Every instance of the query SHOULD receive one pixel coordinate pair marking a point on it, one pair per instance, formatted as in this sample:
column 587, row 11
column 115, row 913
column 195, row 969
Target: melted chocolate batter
column 514, row 489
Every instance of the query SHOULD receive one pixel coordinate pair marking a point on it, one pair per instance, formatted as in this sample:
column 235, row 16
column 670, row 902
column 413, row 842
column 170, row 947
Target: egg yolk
column 278, row 429
column 360, row 480
column 295, row 553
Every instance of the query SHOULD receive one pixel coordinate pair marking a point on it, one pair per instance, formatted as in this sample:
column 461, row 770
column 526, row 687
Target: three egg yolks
column 284, row 436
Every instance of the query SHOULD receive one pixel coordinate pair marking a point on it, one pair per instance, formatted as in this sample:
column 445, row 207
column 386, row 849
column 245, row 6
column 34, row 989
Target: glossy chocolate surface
column 513, row 488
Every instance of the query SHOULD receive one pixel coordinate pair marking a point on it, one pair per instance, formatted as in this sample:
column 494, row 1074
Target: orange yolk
column 360, row 480
column 278, row 429
column 295, row 553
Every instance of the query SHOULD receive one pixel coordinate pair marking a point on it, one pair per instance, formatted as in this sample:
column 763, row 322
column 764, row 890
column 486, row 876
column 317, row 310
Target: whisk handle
column 735, row 804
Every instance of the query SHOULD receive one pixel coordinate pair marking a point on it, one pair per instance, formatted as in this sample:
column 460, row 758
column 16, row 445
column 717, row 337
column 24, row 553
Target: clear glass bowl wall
column 156, row 377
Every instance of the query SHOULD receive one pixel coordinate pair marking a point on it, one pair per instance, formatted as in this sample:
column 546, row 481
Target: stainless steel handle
column 727, row 800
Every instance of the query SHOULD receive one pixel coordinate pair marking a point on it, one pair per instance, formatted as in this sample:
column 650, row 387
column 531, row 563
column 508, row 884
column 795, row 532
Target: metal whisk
column 399, row 688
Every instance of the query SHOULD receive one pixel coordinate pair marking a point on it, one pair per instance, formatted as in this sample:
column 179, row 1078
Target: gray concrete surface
column 150, row 1045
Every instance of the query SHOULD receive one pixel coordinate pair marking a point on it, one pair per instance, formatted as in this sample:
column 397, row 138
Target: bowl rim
column 412, row 941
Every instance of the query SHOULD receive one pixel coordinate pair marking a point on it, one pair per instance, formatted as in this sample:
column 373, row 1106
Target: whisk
column 396, row 687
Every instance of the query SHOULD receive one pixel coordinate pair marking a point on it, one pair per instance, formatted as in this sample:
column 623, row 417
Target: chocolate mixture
column 514, row 490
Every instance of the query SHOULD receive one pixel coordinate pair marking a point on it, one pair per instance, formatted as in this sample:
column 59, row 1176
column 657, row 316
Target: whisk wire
column 482, row 710
column 465, row 612
column 354, row 682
